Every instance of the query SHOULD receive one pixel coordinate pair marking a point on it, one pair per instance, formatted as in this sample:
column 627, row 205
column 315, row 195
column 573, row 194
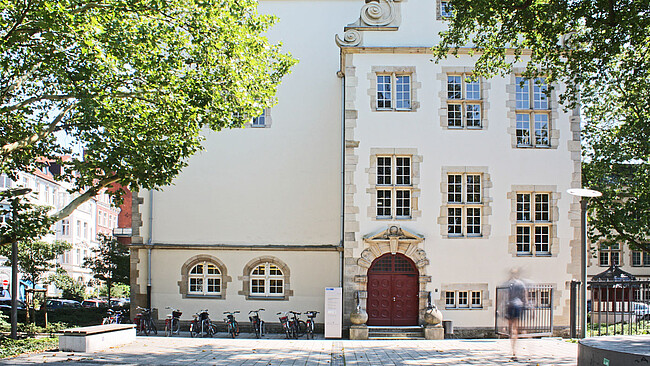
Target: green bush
column 12, row 347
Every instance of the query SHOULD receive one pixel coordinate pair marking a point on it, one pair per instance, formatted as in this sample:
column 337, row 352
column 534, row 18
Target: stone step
column 385, row 332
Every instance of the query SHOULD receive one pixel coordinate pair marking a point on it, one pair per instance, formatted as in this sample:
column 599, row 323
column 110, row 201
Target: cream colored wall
column 277, row 185
column 310, row 274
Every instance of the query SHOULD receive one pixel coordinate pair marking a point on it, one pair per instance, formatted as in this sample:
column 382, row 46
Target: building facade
column 379, row 171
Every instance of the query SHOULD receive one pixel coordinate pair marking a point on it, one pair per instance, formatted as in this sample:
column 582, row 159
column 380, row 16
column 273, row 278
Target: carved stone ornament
column 393, row 240
column 375, row 15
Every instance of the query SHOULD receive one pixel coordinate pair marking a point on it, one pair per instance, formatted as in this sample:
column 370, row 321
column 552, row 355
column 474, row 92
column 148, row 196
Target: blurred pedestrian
column 515, row 307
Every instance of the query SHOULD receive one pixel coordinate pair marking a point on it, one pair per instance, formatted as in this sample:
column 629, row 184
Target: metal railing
column 618, row 307
column 537, row 317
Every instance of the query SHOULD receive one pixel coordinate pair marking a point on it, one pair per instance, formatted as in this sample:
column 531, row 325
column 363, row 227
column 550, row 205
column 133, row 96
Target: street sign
column 5, row 283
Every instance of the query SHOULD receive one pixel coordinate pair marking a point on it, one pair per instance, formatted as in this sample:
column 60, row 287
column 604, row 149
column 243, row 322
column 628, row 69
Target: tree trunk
column 108, row 289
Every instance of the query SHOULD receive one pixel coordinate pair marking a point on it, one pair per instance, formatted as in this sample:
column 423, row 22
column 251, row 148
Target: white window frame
column 270, row 281
column 461, row 103
column 259, row 121
column 609, row 254
column 459, row 221
column 396, row 88
column 535, row 215
column 205, row 277
column 642, row 259
column 396, row 198
column 463, row 299
column 533, row 113
column 65, row 227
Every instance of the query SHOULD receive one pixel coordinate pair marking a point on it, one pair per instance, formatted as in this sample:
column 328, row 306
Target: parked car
column 6, row 305
column 122, row 303
column 94, row 303
column 641, row 310
column 56, row 304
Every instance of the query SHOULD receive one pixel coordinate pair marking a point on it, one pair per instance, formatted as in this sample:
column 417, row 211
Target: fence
column 537, row 318
column 616, row 306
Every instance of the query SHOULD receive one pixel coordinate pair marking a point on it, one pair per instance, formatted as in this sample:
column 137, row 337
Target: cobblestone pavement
column 246, row 351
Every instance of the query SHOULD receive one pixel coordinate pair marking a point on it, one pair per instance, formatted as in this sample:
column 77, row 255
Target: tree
column 600, row 52
column 110, row 262
column 134, row 83
column 71, row 289
column 35, row 257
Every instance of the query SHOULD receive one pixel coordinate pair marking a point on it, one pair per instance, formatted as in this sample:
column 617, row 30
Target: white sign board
column 333, row 312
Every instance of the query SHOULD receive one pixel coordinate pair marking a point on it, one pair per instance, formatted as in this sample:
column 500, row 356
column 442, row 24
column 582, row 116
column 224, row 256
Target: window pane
column 474, row 188
column 523, row 129
column 462, row 298
column 403, row 92
column 615, row 258
column 403, row 170
column 214, row 285
column 445, row 9
column 454, row 115
column 450, row 298
column 454, row 87
column 636, row 258
column 260, row 120
column 198, row 269
column 383, row 170
column 603, row 259
column 539, row 94
column 541, row 130
column 257, row 286
column 383, row 203
column 259, row 270
column 523, row 239
column 472, row 90
column 403, row 203
column 541, row 239
column 454, row 220
column 476, row 298
column 196, row 285
column 276, row 286
column 454, row 188
column 541, row 207
column 212, row 269
column 384, row 92
column 473, row 115
column 522, row 93
column 523, row 207
column 274, row 270
column 473, row 221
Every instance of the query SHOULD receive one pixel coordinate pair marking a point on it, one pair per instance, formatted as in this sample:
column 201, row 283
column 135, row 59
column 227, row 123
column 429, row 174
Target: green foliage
column 600, row 51
column 110, row 262
column 71, row 289
column 27, row 221
column 12, row 347
column 35, row 257
column 118, row 291
column 5, row 324
column 133, row 82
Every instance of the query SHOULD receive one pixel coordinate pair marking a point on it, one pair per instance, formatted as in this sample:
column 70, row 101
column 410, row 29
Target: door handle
column 393, row 298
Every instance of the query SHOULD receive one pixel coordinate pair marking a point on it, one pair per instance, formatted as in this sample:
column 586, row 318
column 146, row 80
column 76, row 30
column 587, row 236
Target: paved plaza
column 246, row 351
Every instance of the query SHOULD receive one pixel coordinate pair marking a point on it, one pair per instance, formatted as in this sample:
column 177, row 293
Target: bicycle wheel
column 310, row 330
column 168, row 329
column 146, row 327
column 262, row 330
column 212, row 330
column 193, row 330
column 287, row 331
column 256, row 328
column 176, row 326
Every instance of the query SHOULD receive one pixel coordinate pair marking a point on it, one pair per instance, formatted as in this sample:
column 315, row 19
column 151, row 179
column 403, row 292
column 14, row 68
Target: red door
column 393, row 288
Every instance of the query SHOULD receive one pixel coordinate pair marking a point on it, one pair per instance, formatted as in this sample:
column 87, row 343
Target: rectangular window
column 400, row 99
column 463, row 101
column 393, row 187
column 463, row 300
column 65, row 227
column 259, row 121
column 640, row 259
column 476, row 299
column 533, row 121
column 196, row 285
column 533, row 219
column 276, row 286
column 609, row 255
column 214, row 285
column 257, row 286
column 450, row 299
column 464, row 201
column 446, row 10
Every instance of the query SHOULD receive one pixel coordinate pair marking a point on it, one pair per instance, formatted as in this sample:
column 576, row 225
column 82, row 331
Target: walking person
column 515, row 307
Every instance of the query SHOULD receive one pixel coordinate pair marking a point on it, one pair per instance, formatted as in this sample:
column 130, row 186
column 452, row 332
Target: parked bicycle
column 231, row 324
column 310, row 323
column 201, row 325
column 257, row 323
column 144, row 322
column 173, row 322
column 284, row 321
column 298, row 327
column 114, row 317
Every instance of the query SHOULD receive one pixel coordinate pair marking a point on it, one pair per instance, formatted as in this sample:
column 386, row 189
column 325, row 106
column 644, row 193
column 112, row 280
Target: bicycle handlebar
column 256, row 311
column 234, row 312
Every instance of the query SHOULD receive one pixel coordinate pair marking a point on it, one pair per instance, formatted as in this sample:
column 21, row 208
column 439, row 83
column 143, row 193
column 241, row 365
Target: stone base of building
column 359, row 332
column 433, row 332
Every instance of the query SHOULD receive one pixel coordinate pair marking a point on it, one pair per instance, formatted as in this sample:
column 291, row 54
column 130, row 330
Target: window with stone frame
column 393, row 91
column 393, row 186
column 640, row 259
column 609, row 254
column 204, row 278
column 533, row 113
column 464, row 204
column 267, row 280
column 534, row 223
column 445, row 11
column 463, row 299
column 464, row 104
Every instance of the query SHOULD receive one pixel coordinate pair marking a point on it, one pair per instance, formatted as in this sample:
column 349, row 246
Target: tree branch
column 9, row 148
column 18, row 82
column 18, row 22
column 90, row 193
column 34, row 100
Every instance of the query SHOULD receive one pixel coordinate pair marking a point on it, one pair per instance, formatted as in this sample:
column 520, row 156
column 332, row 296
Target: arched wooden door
column 393, row 289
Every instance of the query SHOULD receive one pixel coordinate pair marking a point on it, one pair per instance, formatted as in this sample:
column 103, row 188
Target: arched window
column 204, row 279
column 267, row 280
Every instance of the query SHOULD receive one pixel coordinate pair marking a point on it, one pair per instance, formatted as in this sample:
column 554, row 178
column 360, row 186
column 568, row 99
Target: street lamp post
column 584, row 195
column 14, row 194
